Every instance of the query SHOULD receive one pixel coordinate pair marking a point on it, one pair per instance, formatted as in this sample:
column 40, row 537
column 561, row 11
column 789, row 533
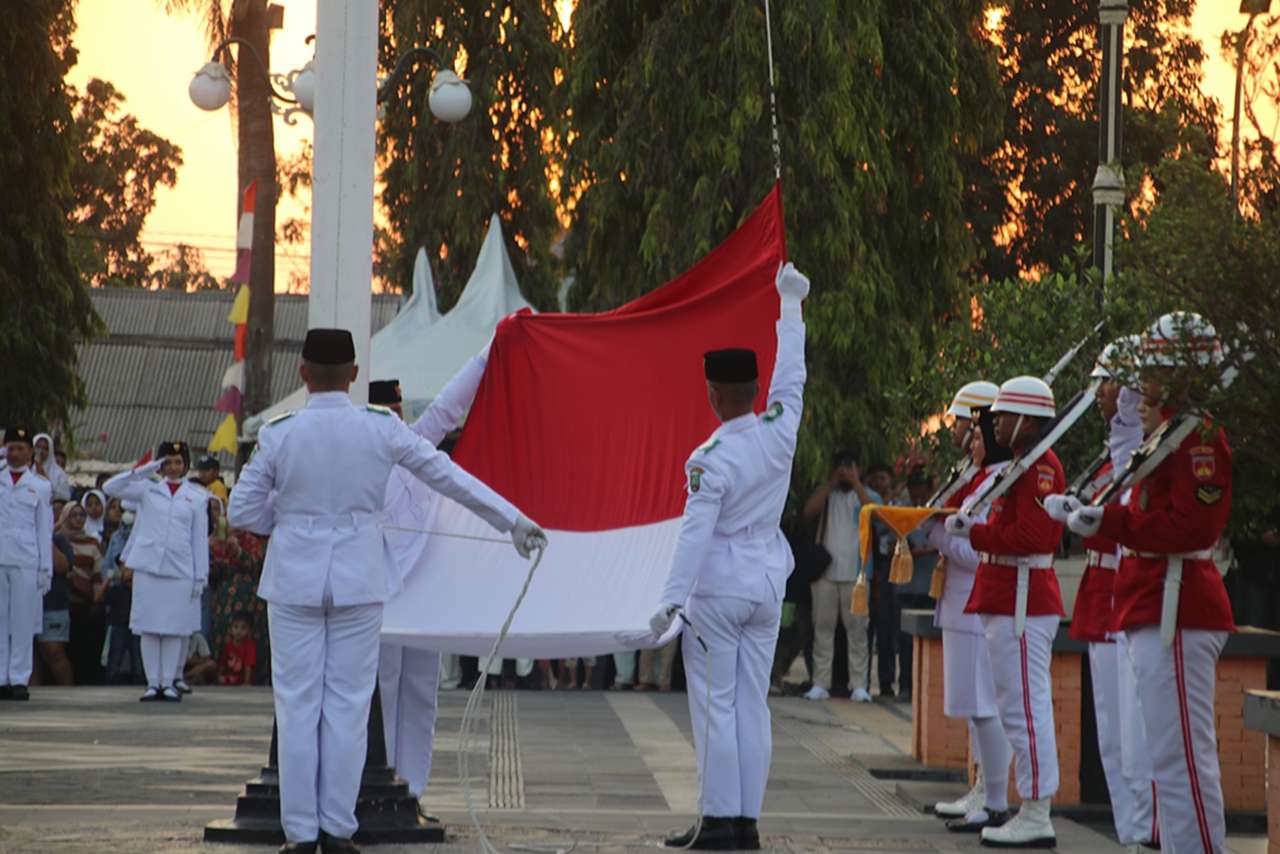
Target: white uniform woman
column 968, row 686
column 45, row 457
column 168, row 552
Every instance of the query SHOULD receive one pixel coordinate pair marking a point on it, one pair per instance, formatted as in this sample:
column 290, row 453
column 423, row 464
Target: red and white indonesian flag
column 585, row 421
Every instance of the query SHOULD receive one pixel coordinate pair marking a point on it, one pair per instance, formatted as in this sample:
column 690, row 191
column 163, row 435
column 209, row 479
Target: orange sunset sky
column 150, row 57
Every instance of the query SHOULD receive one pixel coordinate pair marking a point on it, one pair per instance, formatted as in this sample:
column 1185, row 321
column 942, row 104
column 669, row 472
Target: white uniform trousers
column 1176, row 688
column 409, row 679
column 324, row 662
column 1132, row 804
column 832, row 601
column 968, row 689
column 1020, row 667
column 735, row 747
column 21, row 612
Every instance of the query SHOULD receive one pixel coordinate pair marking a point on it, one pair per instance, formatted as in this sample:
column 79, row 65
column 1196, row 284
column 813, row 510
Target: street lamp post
column 1108, row 181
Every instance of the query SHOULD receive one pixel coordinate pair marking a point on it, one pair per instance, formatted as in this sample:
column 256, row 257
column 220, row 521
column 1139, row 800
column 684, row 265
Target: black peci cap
column 385, row 392
column 329, row 347
column 730, row 366
column 17, row 434
column 208, row 463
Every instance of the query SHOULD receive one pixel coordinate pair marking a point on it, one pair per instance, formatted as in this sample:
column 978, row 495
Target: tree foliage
column 442, row 182
column 183, row 269
column 878, row 104
column 47, row 310
column 114, row 176
column 1030, row 202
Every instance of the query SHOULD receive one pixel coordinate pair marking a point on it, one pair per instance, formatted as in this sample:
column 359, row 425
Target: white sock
column 151, row 660
column 994, row 753
column 170, row 658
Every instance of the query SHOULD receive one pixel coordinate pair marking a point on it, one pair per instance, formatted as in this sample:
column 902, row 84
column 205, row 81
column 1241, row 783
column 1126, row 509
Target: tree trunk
column 257, row 162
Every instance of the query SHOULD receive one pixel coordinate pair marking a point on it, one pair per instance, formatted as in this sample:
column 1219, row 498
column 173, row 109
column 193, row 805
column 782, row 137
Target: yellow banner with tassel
column 902, row 520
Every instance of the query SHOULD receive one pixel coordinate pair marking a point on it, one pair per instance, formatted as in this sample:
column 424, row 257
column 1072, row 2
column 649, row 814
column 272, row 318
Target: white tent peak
column 423, row 349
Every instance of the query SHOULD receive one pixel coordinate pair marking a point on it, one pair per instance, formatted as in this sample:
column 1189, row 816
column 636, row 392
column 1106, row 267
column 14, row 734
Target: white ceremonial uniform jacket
column 962, row 566
column 410, row 503
column 730, row 543
column 170, row 537
column 317, row 484
column 26, row 521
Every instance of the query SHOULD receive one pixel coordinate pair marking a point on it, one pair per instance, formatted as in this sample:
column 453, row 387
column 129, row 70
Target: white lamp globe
column 210, row 89
column 302, row 83
column 450, row 99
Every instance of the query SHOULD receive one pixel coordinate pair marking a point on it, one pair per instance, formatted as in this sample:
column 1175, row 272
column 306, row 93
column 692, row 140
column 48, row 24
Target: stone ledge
column 1262, row 712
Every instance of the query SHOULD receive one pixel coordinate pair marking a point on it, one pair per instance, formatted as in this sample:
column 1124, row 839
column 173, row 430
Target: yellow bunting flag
column 224, row 438
column 903, row 520
column 858, row 605
column 240, row 308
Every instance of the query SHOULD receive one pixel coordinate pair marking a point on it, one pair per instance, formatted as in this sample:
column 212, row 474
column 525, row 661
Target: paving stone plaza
column 92, row 770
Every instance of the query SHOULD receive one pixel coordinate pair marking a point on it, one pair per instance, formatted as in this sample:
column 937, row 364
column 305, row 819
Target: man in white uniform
column 409, row 677
column 26, row 560
column 317, row 484
column 729, row 573
column 168, row 551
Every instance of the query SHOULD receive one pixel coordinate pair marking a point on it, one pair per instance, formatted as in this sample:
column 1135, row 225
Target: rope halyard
column 773, row 100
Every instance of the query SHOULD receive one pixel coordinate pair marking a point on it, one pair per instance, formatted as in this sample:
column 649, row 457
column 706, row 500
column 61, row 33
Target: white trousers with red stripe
column 1025, row 697
column 409, row 679
column 1132, row 805
column 1176, row 688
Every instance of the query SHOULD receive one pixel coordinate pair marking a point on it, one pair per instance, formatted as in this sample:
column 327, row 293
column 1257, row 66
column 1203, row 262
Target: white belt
column 1106, row 560
column 1172, row 587
column 353, row 520
column 1024, row 563
column 1031, row 561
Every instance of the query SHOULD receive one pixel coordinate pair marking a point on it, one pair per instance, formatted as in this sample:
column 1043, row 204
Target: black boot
column 748, row 833
column 334, row 845
column 995, row 818
column 715, row 834
column 19, row 692
column 298, row 847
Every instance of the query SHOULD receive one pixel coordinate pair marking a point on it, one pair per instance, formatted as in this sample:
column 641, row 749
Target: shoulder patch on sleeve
column 695, row 478
column 1045, row 476
column 1209, row 494
column 773, row 412
column 281, row 417
column 381, row 410
column 1204, row 462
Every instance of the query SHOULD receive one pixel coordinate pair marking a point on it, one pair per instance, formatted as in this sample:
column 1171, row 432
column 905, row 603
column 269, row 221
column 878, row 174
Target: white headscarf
column 93, row 526
column 1126, row 428
column 57, row 477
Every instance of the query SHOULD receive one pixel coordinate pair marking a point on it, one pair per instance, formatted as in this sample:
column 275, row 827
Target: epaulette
column 381, row 410
column 773, row 412
column 281, row 417
column 707, row 445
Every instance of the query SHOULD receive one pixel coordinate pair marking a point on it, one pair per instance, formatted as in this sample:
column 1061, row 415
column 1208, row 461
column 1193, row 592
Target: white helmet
column 1116, row 356
column 1025, row 396
column 1180, row 338
column 974, row 395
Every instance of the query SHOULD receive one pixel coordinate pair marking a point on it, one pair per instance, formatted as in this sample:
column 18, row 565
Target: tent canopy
column 423, row 349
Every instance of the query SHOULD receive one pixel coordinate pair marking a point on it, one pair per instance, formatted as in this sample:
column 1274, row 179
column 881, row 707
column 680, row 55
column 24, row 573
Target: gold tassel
column 939, row 581
column 902, row 567
column 859, row 605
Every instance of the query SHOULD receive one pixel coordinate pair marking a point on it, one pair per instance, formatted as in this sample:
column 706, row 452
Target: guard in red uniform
column 1121, row 733
column 1169, row 597
column 1017, row 596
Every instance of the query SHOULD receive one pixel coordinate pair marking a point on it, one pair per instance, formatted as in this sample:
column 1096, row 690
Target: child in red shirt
column 239, row 655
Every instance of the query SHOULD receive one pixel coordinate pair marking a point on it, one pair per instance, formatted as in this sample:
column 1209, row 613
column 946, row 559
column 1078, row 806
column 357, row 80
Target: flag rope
column 773, row 100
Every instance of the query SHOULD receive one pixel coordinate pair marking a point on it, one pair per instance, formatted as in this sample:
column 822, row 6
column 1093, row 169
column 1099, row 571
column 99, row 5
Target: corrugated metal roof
column 158, row 373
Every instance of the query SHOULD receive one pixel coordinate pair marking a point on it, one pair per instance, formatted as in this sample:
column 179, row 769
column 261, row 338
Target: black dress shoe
column 426, row 816
column 299, row 847
column 715, row 834
column 748, row 833
column 19, row 692
column 334, row 845
column 995, row 818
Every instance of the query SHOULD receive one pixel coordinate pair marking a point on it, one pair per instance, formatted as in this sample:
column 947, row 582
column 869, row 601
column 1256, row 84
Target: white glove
column 44, row 582
column 527, row 537
column 662, row 618
column 1086, row 521
column 791, row 283
column 197, row 590
column 959, row 525
column 1059, row 507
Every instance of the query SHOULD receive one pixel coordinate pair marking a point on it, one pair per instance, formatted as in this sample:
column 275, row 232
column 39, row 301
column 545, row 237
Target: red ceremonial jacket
column 1181, row 507
column 1018, row 525
column 1091, row 618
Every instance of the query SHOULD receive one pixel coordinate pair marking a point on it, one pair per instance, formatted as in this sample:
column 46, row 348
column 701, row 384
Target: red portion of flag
column 250, row 196
column 585, row 421
column 143, row 460
column 242, row 338
column 230, row 400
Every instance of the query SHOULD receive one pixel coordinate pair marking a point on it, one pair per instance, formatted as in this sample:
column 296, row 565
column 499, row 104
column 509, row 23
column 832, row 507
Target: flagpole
column 1108, row 181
